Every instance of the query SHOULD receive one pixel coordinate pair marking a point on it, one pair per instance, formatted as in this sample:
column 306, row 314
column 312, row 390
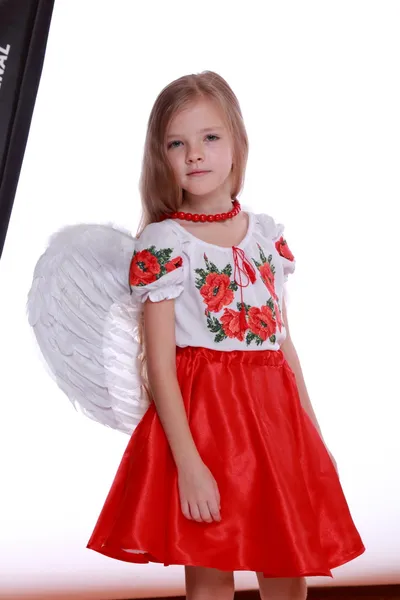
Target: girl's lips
column 196, row 173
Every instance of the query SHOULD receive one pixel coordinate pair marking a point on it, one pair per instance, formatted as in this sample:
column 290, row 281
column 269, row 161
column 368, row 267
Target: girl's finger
column 205, row 512
column 185, row 510
column 194, row 511
column 214, row 510
column 218, row 497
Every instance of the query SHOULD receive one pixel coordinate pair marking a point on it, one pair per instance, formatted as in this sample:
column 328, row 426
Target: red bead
column 236, row 208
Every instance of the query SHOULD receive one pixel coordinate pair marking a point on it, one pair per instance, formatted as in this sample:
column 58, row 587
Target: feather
column 86, row 323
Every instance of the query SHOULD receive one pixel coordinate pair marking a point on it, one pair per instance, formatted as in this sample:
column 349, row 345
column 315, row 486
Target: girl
column 227, row 470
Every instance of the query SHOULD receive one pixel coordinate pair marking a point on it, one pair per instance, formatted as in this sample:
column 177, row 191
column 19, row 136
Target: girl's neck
column 207, row 207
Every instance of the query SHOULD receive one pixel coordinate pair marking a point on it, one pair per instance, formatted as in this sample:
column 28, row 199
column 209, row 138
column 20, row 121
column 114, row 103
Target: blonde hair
column 159, row 191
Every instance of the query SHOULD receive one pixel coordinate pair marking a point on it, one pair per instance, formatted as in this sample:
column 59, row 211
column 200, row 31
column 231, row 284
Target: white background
column 318, row 83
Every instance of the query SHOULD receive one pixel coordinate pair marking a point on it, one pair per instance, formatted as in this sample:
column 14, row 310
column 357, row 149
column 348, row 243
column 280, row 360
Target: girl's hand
column 199, row 495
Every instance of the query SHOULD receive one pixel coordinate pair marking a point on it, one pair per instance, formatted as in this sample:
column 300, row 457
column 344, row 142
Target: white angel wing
column 86, row 322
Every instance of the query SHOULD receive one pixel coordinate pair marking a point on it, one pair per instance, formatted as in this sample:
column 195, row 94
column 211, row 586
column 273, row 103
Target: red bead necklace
column 207, row 218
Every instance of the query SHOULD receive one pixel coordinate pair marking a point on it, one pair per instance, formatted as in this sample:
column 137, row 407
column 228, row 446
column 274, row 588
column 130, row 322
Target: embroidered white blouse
column 225, row 298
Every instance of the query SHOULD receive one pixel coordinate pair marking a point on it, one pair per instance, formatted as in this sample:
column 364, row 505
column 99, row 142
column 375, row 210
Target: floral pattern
column 262, row 322
column 283, row 249
column 231, row 324
column 217, row 290
column 249, row 324
column 150, row 264
column 267, row 271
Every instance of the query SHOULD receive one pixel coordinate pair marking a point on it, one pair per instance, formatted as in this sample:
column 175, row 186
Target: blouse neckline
column 197, row 240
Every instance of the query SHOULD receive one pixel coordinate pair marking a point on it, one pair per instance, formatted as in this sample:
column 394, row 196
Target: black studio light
column 24, row 28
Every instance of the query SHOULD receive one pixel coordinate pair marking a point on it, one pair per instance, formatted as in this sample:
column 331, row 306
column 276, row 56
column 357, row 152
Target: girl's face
column 197, row 139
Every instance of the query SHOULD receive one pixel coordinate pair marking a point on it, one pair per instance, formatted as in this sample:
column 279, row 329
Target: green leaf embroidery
column 213, row 324
column 271, row 264
column 250, row 337
column 201, row 272
column 246, row 307
column 262, row 255
column 220, row 336
column 201, row 280
column 213, row 269
column 273, row 338
column 163, row 255
column 270, row 303
column 216, row 327
column 227, row 270
column 233, row 286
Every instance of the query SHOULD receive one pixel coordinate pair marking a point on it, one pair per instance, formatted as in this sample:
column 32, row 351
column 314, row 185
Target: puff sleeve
column 274, row 231
column 156, row 268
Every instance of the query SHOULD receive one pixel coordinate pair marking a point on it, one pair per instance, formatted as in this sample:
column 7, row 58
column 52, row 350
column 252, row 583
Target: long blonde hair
column 159, row 191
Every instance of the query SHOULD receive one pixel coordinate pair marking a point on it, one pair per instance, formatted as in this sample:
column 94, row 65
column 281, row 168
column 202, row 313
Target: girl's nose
column 194, row 155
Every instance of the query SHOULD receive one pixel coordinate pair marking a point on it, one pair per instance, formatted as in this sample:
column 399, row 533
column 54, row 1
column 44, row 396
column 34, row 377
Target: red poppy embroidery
column 231, row 324
column 262, row 322
column 266, row 269
column 216, row 291
column 144, row 268
column 215, row 286
column 283, row 249
column 173, row 264
column 268, row 278
column 150, row 264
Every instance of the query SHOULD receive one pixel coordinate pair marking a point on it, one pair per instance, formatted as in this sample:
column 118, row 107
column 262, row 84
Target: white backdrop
column 318, row 83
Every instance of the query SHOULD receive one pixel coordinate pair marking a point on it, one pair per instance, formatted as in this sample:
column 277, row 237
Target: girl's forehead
column 203, row 113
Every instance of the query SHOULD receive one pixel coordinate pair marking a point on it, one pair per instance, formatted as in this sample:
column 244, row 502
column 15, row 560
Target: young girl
column 227, row 470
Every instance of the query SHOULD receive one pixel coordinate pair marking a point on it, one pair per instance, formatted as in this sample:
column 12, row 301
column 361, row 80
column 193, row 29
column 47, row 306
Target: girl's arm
column 160, row 345
column 292, row 358
column 198, row 490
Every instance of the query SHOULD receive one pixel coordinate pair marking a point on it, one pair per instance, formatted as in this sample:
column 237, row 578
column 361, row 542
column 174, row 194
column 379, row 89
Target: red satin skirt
column 282, row 506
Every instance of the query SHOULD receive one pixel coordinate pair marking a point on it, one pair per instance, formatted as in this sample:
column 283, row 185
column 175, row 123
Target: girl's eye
column 210, row 135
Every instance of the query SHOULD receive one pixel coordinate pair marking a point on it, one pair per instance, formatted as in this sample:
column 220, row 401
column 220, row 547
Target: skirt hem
column 145, row 558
